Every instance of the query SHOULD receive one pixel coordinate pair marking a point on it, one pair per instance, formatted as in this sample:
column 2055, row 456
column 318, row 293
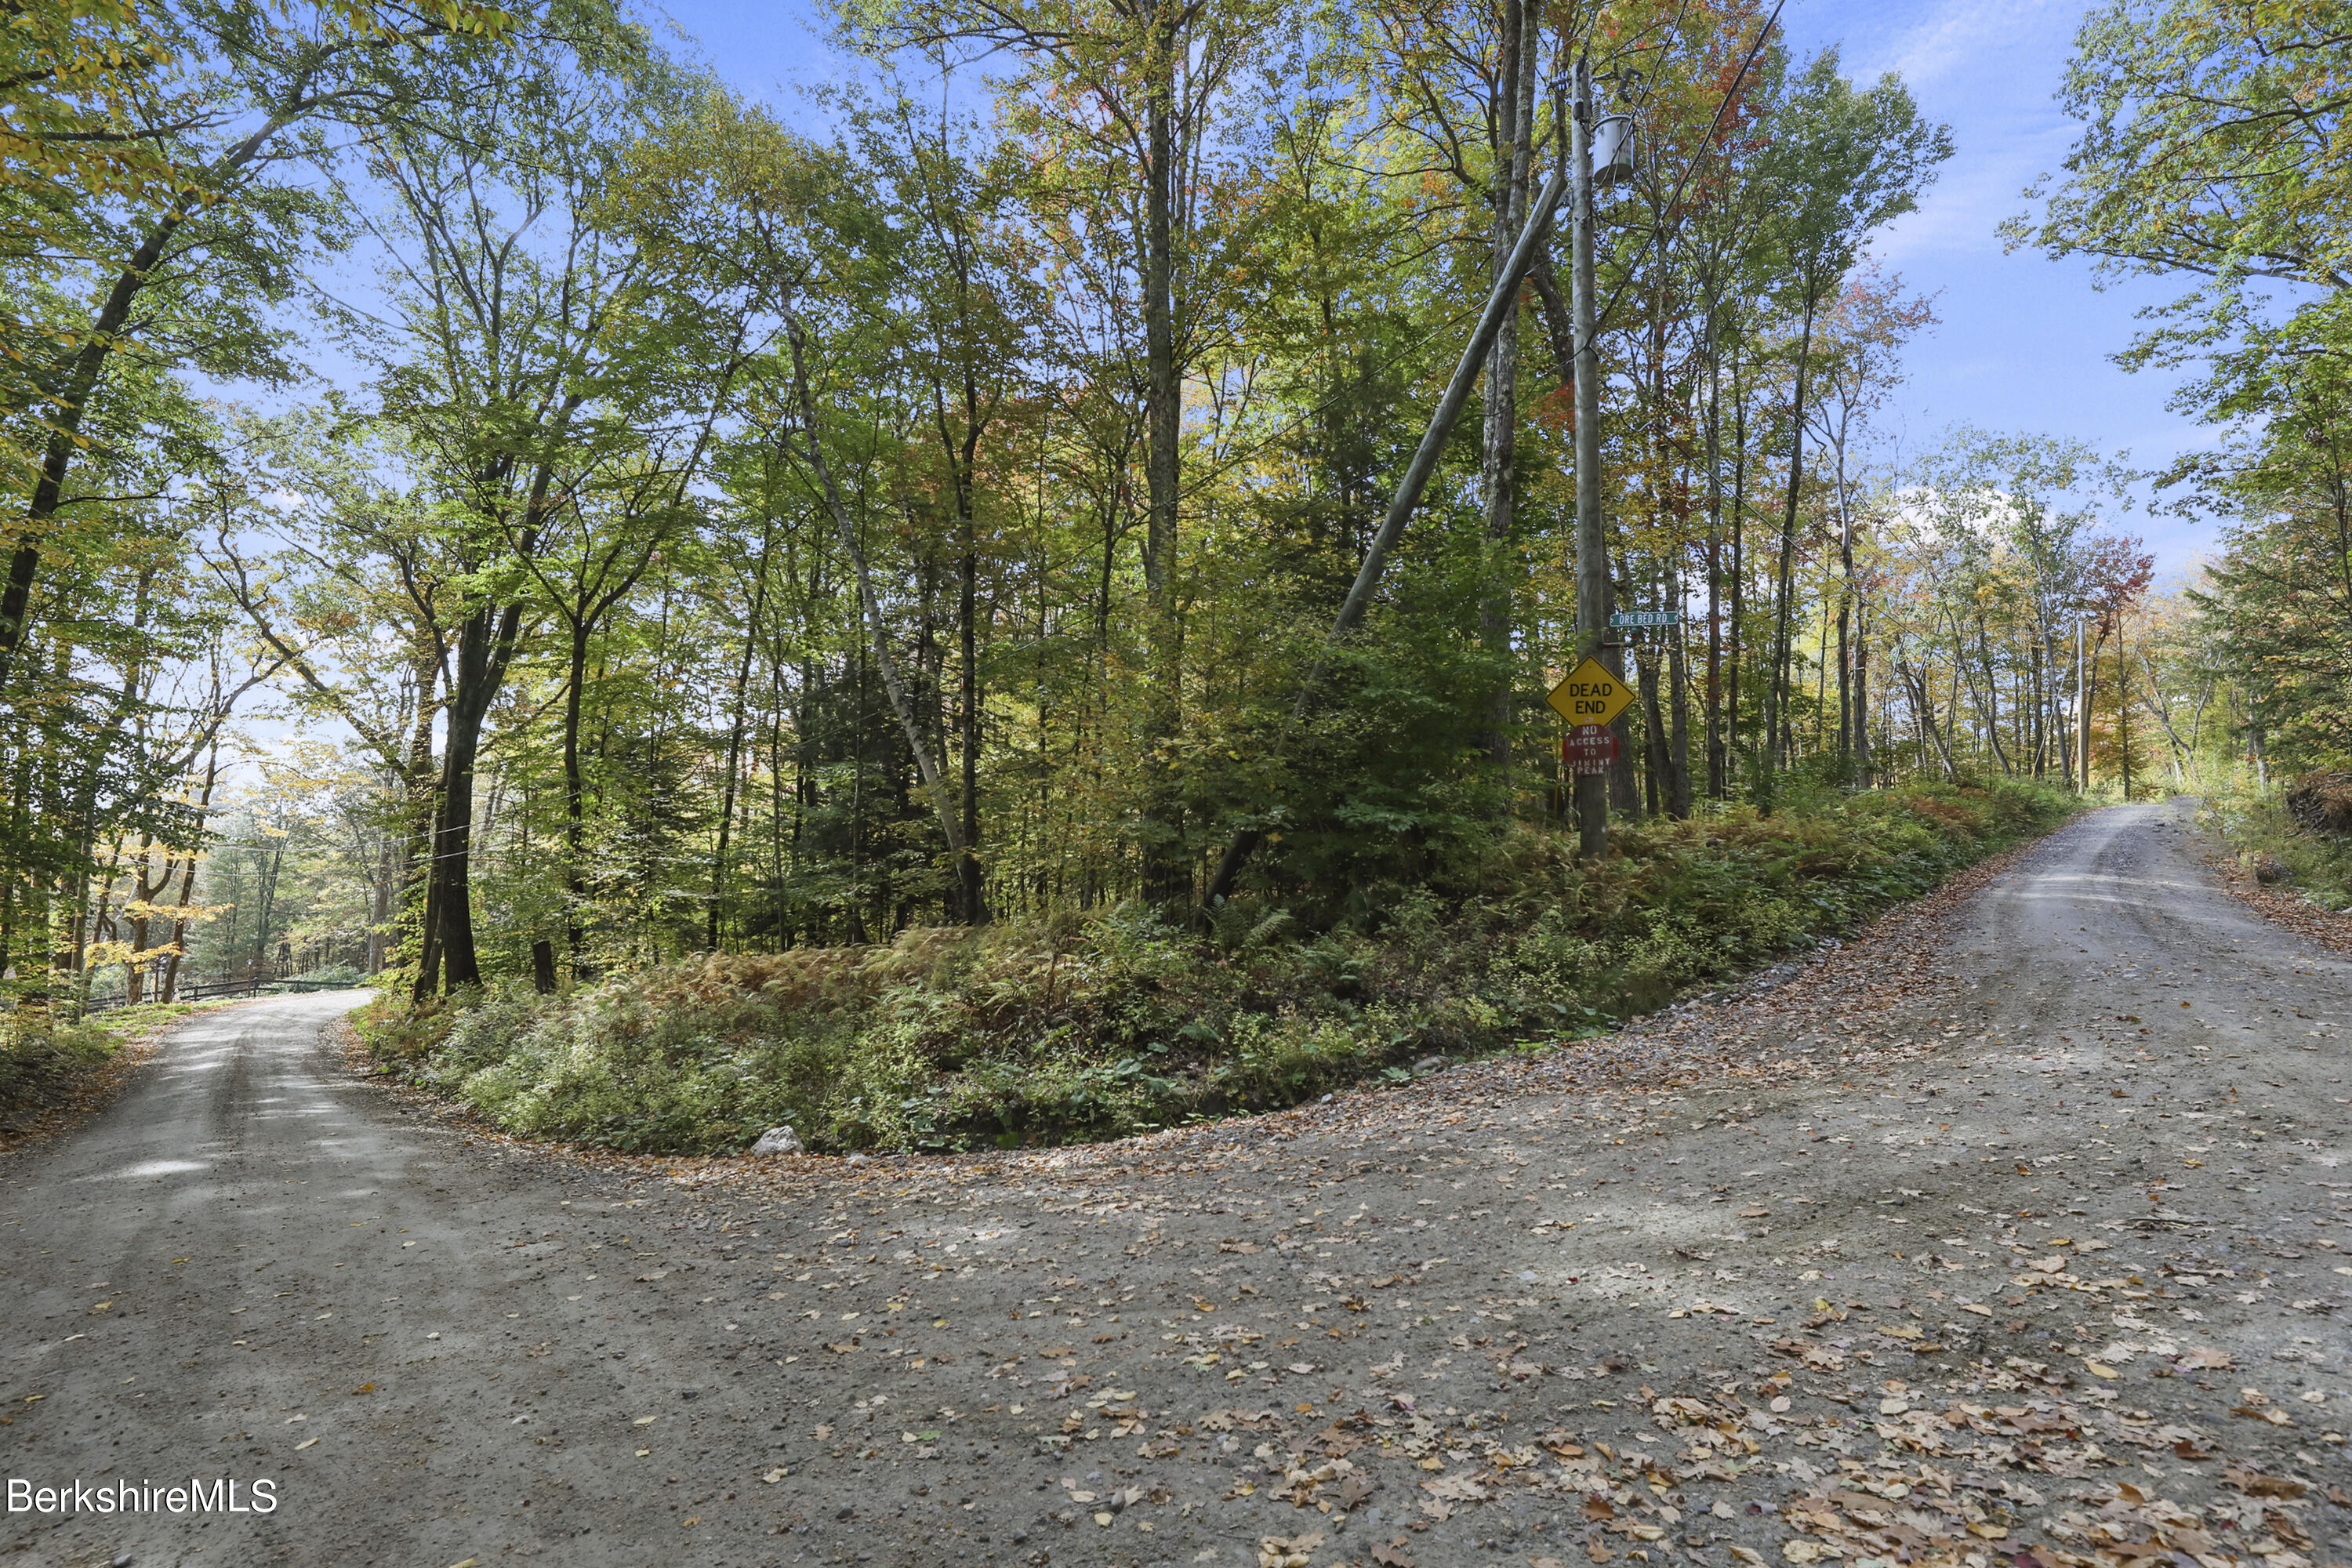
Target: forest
column 894, row 611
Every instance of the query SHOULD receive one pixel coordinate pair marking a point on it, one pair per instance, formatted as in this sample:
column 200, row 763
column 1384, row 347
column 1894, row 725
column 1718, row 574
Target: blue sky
column 2025, row 343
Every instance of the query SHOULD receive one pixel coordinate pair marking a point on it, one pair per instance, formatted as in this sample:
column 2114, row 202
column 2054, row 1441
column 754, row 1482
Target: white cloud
column 1959, row 35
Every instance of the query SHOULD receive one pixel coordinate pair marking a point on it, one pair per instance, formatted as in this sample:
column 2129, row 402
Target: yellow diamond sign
column 1590, row 695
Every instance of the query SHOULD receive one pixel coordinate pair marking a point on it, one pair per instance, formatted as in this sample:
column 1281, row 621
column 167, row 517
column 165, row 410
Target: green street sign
column 1646, row 618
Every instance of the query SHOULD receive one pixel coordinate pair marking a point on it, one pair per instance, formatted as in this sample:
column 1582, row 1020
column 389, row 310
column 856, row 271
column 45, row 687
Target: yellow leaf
column 2099, row 1368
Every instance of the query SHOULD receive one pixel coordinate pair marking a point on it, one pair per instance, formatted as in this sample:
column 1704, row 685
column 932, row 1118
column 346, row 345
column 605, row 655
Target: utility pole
column 1500, row 303
column 1592, row 540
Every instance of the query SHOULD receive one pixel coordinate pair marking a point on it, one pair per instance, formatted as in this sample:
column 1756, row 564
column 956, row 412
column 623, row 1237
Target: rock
column 778, row 1140
column 2270, row 872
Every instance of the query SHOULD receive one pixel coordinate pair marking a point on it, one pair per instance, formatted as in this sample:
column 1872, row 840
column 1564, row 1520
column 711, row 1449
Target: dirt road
column 2016, row 1229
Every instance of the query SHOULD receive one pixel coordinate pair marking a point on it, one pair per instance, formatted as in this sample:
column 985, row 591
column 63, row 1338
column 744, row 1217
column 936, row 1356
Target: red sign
column 1588, row 749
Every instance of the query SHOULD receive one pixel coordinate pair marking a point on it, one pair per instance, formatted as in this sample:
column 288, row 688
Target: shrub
column 1097, row 1026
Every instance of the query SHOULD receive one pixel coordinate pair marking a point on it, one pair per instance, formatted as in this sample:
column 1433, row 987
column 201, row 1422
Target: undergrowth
column 1082, row 1027
column 45, row 1060
column 2302, row 858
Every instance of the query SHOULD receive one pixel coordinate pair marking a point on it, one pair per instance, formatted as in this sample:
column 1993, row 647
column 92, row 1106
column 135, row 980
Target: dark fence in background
column 199, row 991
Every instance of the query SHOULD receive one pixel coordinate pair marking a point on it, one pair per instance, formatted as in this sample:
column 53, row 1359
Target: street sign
column 1646, row 618
column 1588, row 749
column 1590, row 695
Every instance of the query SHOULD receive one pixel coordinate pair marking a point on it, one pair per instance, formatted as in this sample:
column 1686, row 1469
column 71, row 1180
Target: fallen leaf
column 2099, row 1368
column 2254, row 1483
column 1456, row 1489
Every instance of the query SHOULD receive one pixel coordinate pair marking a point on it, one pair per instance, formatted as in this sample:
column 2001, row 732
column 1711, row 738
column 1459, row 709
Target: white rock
column 778, row 1140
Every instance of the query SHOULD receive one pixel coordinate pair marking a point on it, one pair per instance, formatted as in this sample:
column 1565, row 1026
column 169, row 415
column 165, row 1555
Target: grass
column 45, row 1064
column 1096, row 1025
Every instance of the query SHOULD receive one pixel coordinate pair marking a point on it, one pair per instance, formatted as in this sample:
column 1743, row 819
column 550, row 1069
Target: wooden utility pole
column 1591, row 540
column 1500, row 303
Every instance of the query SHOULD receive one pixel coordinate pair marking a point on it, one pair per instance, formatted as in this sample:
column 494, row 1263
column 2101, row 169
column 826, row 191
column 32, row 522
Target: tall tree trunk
column 1167, row 877
column 1845, row 743
column 1513, row 152
column 2122, row 713
column 1738, row 623
column 1775, row 698
column 169, row 987
column 1623, row 793
column 735, row 739
column 963, row 457
column 486, row 642
column 1658, row 786
column 575, row 805
column 143, row 892
column 1678, row 772
column 1862, row 760
column 877, row 627
column 974, row 909
column 1717, row 775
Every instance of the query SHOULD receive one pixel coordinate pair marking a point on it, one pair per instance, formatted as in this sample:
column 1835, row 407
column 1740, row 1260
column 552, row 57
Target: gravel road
column 2017, row 1230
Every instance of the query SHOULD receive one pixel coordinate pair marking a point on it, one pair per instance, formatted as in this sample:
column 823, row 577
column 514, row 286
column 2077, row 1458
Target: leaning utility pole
column 1592, row 542
column 1500, row 302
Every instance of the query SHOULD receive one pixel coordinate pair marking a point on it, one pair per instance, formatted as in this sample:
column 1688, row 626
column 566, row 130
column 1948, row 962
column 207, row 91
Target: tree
column 1133, row 94
column 1863, row 332
column 1842, row 164
column 174, row 251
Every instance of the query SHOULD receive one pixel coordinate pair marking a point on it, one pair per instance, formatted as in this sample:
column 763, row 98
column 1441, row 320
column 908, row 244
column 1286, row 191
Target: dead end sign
column 1590, row 695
